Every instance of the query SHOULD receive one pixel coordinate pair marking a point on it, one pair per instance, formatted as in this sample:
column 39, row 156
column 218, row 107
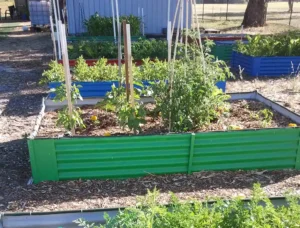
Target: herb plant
column 103, row 26
column 277, row 45
column 55, row 73
column 258, row 213
column 140, row 49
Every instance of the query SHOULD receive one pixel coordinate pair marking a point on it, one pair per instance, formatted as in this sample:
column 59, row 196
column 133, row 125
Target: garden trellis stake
column 114, row 20
column 57, row 29
column 53, row 38
column 63, row 39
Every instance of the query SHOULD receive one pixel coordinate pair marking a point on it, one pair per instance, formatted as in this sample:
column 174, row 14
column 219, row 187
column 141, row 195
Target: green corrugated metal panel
column 43, row 160
column 124, row 157
column 222, row 52
column 262, row 149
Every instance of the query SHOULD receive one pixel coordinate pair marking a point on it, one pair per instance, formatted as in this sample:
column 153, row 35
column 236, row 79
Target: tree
column 291, row 5
column 256, row 13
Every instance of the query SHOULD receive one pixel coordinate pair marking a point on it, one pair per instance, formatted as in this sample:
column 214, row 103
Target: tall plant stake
column 173, row 63
column 66, row 69
column 119, row 43
column 199, row 35
column 127, row 60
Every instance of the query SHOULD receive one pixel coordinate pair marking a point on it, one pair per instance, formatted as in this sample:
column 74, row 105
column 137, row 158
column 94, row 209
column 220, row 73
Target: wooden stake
column 126, row 54
column 66, row 68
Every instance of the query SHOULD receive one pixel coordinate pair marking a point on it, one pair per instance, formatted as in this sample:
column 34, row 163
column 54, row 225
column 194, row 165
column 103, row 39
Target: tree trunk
column 291, row 6
column 256, row 13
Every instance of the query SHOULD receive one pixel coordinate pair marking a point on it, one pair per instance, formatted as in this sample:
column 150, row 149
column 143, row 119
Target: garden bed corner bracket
column 297, row 164
column 191, row 154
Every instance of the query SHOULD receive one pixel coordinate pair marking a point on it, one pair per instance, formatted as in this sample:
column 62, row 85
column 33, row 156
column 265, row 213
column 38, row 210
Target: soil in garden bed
column 241, row 115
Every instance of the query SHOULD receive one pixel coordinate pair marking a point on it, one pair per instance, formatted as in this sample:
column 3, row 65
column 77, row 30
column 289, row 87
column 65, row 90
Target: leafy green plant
column 152, row 70
column 61, row 93
column 258, row 213
column 128, row 115
column 55, row 73
column 277, row 45
column 103, row 26
column 195, row 98
column 69, row 121
column 266, row 115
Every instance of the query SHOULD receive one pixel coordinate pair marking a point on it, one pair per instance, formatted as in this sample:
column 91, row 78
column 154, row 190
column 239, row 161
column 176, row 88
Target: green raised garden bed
column 54, row 159
column 125, row 157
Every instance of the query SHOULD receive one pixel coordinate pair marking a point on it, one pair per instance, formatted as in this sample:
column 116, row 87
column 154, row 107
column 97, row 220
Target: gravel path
column 22, row 60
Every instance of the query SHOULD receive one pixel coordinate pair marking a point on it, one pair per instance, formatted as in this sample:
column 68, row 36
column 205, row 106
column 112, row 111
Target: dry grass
column 4, row 5
column 277, row 18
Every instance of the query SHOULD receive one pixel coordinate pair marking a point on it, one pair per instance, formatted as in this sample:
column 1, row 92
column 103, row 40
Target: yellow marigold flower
column 107, row 134
column 292, row 125
column 94, row 118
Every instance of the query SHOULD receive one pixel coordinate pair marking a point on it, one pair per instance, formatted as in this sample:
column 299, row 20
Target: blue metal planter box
column 265, row 66
column 99, row 89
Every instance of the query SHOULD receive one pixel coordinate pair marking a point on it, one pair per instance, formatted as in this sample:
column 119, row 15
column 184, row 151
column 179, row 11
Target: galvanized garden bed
column 134, row 156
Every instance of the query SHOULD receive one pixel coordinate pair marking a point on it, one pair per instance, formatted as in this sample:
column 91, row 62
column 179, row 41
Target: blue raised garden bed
column 265, row 66
column 99, row 89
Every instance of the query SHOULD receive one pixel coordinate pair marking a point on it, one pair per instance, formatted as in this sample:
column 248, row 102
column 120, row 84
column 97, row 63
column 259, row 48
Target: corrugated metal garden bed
column 64, row 158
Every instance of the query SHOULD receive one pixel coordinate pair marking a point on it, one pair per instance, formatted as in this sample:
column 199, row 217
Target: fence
column 228, row 17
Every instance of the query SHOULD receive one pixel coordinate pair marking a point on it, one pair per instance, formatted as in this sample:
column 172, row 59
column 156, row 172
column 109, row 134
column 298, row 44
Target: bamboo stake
column 53, row 38
column 143, row 23
column 119, row 43
column 114, row 19
column 126, row 60
column 186, row 26
column 57, row 30
column 169, row 8
column 169, row 39
column 199, row 35
column 181, row 26
column 175, row 16
column 129, row 55
column 172, row 67
column 66, row 70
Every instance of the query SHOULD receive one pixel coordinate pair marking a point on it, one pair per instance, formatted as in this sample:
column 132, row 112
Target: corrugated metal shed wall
column 155, row 12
